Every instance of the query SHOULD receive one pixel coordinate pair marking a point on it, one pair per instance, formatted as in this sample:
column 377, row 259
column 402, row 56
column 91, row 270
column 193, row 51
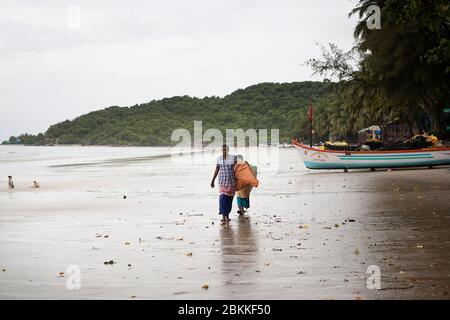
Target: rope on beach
column 397, row 288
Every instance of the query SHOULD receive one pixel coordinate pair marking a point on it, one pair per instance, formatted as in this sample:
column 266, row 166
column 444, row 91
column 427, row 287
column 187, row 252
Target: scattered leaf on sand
column 106, row 236
column 109, row 262
column 61, row 274
column 189, row 254
column 205, row 286
column 336, row 225
column 127, row 243
column 303, row 226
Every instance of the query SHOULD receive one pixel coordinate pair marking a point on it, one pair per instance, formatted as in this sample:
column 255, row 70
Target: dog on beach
column 10, row 182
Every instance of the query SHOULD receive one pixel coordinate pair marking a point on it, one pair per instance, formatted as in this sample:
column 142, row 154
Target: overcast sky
column 56, row 64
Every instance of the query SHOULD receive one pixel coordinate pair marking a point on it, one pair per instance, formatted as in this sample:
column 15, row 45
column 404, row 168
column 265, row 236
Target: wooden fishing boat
column 315, row 158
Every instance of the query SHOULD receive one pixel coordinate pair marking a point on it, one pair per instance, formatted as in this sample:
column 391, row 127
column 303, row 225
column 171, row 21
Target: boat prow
column 315, row 158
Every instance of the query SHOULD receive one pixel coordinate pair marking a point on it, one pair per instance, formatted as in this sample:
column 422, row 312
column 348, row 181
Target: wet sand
column 308, row 235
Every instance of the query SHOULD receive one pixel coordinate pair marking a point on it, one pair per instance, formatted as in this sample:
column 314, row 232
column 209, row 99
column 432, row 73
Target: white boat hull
column 314, row 158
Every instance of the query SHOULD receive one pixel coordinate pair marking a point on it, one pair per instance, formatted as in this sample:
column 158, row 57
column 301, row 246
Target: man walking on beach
column 227, row 182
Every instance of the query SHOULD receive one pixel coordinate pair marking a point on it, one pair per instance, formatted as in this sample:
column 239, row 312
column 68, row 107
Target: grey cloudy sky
column 128, row 52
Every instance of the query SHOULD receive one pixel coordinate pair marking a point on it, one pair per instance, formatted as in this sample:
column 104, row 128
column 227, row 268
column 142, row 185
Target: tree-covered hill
column 262, row 106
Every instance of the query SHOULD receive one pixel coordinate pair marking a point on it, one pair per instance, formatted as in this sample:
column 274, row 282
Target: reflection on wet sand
column 239, row 249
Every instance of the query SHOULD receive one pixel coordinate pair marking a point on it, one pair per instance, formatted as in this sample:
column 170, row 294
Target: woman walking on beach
column 227, row 182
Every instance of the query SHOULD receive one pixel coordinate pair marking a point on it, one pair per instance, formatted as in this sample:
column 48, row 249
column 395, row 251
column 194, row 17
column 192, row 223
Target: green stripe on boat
column 365, row 165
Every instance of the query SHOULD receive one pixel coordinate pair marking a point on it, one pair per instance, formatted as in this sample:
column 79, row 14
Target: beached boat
column 315, row 158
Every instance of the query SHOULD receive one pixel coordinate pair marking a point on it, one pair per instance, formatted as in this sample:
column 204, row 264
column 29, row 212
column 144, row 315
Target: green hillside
column 266, row 105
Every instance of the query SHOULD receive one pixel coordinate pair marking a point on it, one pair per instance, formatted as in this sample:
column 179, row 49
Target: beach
column 308, row 234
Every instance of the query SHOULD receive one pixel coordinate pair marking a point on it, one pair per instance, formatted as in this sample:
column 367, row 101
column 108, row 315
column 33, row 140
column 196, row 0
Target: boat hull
column 314, row 158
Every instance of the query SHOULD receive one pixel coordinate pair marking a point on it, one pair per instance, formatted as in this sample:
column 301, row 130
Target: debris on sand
column 419, row 246
column 273, row 238
column 110, row 262
column 356, row 251
column 106, row 236
column 189, row 254
column 164, row 238
column 398, row 288
column 303, row 226
column 127, row 243
column 179, row 238
column 61, row 274
column 124, row 197
column 205, row 286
